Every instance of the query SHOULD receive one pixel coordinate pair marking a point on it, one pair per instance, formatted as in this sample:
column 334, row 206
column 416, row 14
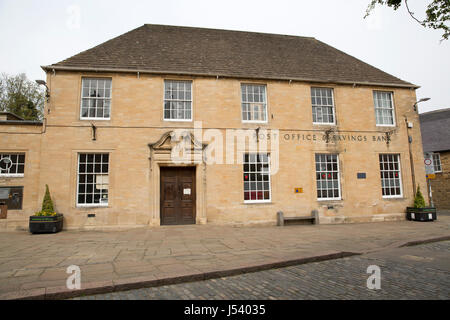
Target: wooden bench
column 312, row 219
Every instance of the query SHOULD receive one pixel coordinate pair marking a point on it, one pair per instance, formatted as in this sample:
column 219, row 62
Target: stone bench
column 312, row 219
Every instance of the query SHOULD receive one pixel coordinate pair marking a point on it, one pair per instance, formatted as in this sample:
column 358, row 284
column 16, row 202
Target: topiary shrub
column 419, row 201
column 47, row 205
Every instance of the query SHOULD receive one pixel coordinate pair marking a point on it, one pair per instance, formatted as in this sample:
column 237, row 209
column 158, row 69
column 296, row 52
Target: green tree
column 47, row 203
column 437, row 13
column 21, row 96
column 419, row 201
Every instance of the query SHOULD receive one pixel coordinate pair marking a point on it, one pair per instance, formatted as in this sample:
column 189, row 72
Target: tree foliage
column 47, row 203
column 21, row 96
column 419, row 201
column 437, row 13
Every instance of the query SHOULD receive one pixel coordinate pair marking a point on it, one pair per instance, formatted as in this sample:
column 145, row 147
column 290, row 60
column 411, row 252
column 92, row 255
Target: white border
column 339, row 177
column 393, row 110
column 81, row 99
column 267, row 102
column 399, row 176
column 192, row 100
column 334, row 107
column 270, row 181
column 90, row 205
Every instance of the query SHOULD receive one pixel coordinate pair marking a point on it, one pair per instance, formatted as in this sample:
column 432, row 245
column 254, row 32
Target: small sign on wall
column 187, row 191
column 298, row 190
column 361, row 175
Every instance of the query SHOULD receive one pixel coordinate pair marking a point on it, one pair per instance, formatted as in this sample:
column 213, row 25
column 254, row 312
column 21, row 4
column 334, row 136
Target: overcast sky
column 35, row 33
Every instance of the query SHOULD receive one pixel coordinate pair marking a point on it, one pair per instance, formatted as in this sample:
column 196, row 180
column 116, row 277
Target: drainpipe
column 413, row 176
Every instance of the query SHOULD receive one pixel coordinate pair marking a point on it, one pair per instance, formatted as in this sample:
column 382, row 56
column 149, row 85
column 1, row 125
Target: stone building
column 268, row 123
column 435, row 127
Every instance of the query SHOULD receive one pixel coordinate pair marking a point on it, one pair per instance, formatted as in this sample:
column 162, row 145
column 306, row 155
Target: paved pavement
column 35, row 265
column 419, row 272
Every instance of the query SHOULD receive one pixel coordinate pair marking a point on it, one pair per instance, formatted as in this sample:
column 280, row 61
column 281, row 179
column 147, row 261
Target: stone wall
column 137, row 120
column 441, row 185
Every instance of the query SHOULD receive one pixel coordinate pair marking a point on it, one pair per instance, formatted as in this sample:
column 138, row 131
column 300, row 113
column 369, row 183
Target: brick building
column 435, row 127
column 322, row 131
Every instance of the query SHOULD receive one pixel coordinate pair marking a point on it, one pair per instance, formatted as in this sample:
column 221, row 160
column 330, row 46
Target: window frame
column 269, row 181
column 91, row 205
column 338, row 177
column 14, row 175
column 265, row 97
column 81, row 99
column 391, row 93
column 192, row 100
column 333, row 107
column 399, row 176
column 438, row 160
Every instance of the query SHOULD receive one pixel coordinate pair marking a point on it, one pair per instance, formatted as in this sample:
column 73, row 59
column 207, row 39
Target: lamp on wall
column 47, row 90
column 421, row 100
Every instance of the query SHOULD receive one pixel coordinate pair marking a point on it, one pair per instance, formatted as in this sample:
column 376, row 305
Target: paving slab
column 172, row 254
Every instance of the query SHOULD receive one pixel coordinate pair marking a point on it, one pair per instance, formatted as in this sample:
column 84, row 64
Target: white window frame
column 399, row 176
column 192, row 100
column 333, row 107
column 91, row 205
column 338, row 178
column 269, row 181
column 110, row 100
column 392, row 110
column 266, row 104
column 435, row 160
column 14, row 175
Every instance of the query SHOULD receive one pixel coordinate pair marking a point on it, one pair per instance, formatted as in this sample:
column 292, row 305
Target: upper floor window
column 384, row 108
column 254, row 105
column 322, row 105
column 12, row 164
column 96, row 98
column 178, row 100
column 437, row 162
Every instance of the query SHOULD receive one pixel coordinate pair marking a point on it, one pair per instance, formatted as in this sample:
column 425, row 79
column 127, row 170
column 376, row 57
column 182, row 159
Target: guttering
column 215, row 75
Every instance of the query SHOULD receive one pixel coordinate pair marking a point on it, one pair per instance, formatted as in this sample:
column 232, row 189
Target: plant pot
column 46, row 224
column 421, row 214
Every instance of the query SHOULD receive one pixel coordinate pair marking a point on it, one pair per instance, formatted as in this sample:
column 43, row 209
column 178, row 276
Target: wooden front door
column 177, row 195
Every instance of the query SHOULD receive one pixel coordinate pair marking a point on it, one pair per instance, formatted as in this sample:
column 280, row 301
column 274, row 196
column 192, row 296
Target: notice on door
column 187, row 191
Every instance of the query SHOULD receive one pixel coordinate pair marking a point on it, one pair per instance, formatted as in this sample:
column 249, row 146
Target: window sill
column 394, row 198
column 96, row 119
column 258, row 202
column 11, row 176
column 328, row 124
column 386, row 125
column 255, row 122
column 329, row 199
column 88, row 206
column 178, row 120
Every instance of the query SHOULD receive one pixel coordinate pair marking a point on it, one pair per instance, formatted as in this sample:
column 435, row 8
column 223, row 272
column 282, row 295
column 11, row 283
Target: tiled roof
column 435, row 129
column 198, row 51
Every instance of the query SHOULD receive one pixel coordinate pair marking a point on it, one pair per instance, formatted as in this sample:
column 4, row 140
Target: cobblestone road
column 420, row 272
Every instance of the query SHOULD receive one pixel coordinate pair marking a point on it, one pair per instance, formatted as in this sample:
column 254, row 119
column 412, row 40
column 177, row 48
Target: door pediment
column 171, row 139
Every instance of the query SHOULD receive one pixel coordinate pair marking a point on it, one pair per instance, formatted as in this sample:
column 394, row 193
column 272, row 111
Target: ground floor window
column 327, row 177
column 93, row 179
column 12, row 197
column 390, row 175
column 256, row 177
column 12, row 164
